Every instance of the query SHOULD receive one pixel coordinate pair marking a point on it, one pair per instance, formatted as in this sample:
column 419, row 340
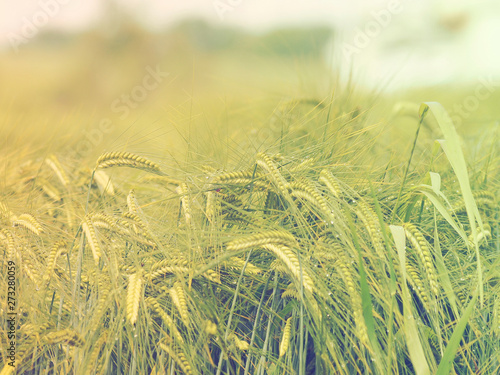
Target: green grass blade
column 446, row 363
column 413, row 342
column 366, row 301
column 393, row 282
column 453, row 150
column 443, row 211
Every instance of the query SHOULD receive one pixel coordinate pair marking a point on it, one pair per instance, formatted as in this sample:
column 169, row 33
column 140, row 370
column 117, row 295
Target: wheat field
column 337, row 238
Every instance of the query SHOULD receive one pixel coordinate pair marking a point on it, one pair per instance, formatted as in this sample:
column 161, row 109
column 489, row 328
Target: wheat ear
column 496, row 315
column 89, row 230
column 179, row 300
column 329, row 181
column 308, row 187
column 291, row 292
column 104, row 183
column 240, row 344
column 183, row 191
column 103, row 294
column 126, row 159
column 29, row 222
column 229, row 177
column 303, row 165
column 133, row 205
column 48, row 188
column 237, row 264
column 56, row 251
column 420, row 245
column 287, row 334
column 167, row 320
column 263, row 238
column 94, row 355
column 178, row 356
column 417, row 285
column 67, row 336
column 266, row 163
column 162, row 180
column 371, row 222
column 134, row 295
column 343, row 267
column 290, row 259
column 5, row 212
column 484, row 199
column 54, row 164
column 211, row 209
column 165, row 270
column 101, row 220
column 8, row 238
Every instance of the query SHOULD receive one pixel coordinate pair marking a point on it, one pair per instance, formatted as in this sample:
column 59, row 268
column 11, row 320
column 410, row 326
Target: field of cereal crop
column 167, row 208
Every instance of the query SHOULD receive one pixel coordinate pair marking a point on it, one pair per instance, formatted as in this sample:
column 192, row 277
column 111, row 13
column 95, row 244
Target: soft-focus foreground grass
column 282, row 226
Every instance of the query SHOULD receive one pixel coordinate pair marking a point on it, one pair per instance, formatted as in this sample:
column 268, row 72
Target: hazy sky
column 438, row 40
column 158, row 13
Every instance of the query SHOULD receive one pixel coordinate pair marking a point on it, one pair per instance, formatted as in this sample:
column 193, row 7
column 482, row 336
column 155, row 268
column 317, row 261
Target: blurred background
column 157, row 74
